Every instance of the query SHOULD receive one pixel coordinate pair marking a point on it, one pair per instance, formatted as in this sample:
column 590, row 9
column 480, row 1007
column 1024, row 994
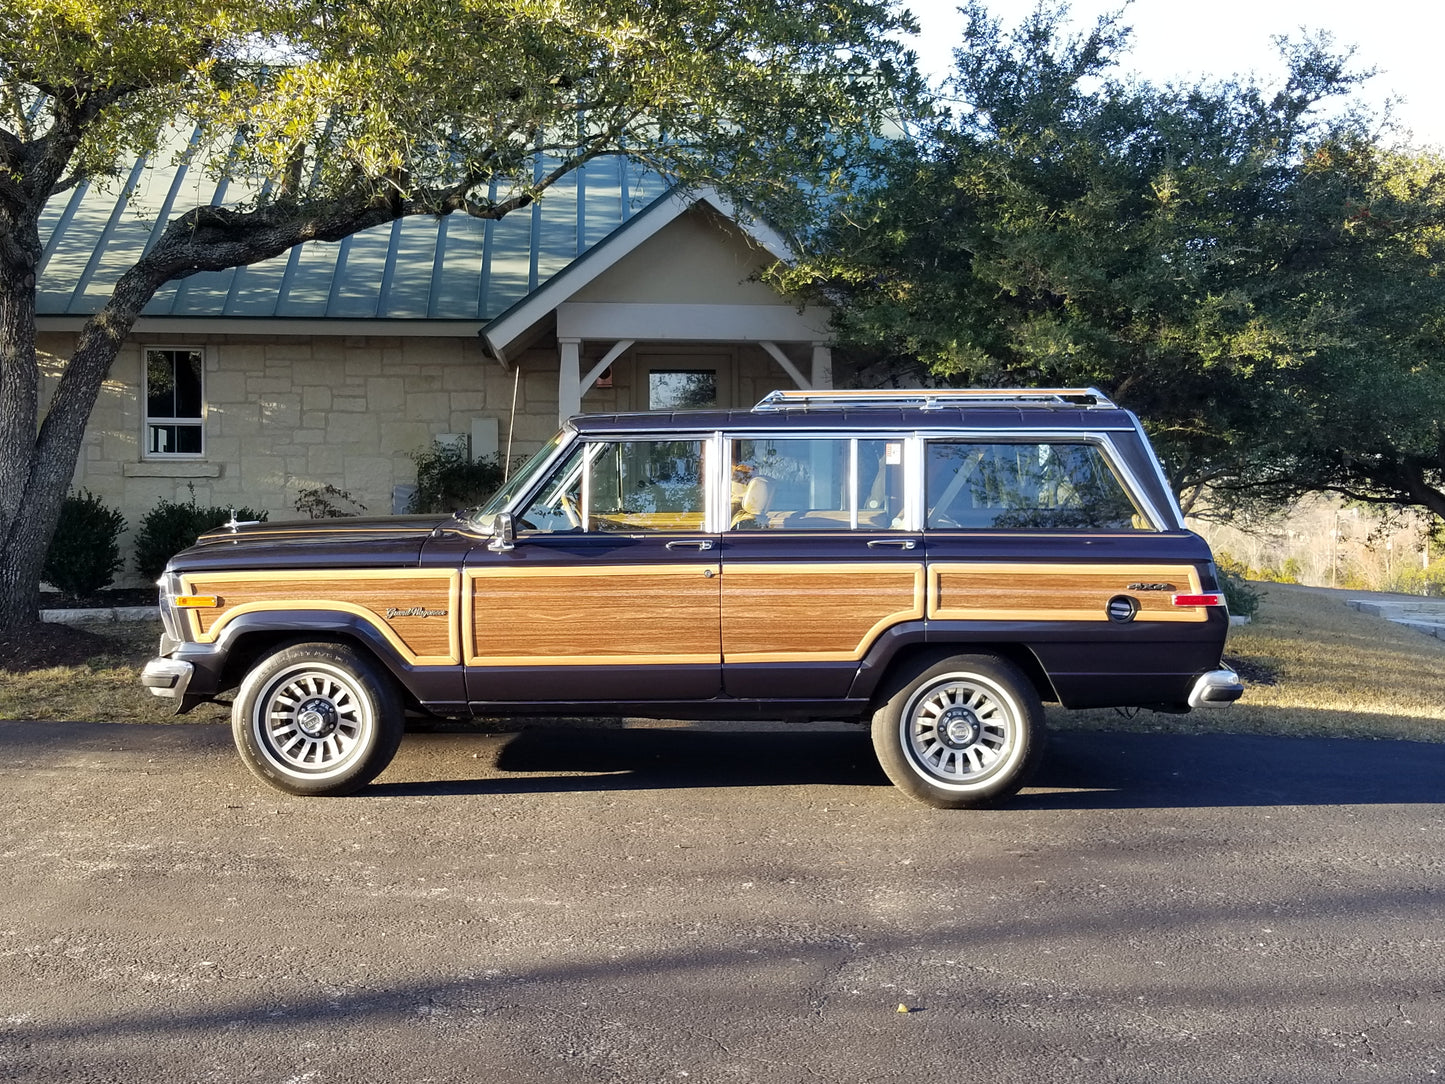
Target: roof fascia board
column 253, row 326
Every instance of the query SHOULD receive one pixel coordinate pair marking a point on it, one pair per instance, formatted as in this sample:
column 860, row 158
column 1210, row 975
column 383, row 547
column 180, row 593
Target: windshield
column 519, row 481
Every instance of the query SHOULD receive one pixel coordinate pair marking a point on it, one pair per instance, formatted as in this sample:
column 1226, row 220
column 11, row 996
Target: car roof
column 890, row 419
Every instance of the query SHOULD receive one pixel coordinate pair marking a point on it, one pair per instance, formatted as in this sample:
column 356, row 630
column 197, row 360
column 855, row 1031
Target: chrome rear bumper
column 1216, row 689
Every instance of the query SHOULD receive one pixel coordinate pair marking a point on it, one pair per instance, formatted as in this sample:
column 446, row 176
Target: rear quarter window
column 1025, row 486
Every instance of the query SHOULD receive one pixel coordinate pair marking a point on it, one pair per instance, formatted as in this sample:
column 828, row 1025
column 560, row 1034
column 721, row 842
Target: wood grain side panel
column 814, row 612
column 416, row 610
column 1052, row 592
column 632, row 615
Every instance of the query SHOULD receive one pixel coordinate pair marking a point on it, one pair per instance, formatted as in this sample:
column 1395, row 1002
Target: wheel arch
column 251, row 637
column 880, row 676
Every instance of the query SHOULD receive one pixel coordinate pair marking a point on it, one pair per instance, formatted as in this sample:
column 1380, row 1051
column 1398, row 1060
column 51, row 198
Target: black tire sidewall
column 366, row 680
column 890, row 744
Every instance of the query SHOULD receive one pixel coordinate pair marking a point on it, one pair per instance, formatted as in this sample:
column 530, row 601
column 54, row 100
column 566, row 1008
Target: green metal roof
column 420, row 268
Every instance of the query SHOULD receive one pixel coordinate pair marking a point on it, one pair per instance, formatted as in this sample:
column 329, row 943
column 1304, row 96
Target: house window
column 175, row 403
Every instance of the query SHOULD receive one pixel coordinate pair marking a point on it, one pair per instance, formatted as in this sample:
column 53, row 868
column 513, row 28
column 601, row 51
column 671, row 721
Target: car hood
column 378, row 542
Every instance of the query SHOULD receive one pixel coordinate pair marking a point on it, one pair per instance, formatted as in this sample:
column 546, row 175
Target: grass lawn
column 1312, row 666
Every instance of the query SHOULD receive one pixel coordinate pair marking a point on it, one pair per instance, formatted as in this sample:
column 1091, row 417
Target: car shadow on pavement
column 1080, row 770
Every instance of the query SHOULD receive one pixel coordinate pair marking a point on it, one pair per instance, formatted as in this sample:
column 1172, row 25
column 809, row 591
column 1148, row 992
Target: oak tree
column 352, row 114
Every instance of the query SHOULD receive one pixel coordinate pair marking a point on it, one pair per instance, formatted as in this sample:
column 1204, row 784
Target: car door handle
column 690, row 543
column 901, row 543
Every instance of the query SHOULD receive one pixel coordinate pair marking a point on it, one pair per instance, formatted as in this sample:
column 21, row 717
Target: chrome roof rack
column 937, row 398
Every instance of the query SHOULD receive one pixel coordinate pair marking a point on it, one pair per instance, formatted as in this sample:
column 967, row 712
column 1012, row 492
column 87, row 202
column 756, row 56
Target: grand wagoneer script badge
column 414, row 611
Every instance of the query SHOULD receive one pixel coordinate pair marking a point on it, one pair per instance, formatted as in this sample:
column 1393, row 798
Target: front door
column 612, row 591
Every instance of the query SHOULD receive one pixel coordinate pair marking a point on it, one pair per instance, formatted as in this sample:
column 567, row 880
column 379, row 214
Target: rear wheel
column 965, row 731
column 317, row 719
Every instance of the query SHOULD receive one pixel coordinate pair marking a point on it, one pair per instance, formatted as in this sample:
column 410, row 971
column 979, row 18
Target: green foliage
column 1419, row 581
column 447, row 479
column 1241, row 596
column 1265, row 288
column 327, row 502
column 432, row 106
column 171, row 526
column 84, row 554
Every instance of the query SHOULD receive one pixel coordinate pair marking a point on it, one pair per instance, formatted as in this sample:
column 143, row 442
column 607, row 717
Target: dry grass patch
column 1336, row 673
column 97, row 679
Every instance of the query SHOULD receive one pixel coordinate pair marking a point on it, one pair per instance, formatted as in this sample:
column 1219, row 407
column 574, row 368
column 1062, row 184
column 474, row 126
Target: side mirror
column 504, row 534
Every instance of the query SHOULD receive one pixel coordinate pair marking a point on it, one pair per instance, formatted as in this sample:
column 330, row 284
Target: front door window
column 623, row 487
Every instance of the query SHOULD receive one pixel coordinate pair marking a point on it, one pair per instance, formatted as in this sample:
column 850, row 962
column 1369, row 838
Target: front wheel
column 317, row 719
column 965, row 731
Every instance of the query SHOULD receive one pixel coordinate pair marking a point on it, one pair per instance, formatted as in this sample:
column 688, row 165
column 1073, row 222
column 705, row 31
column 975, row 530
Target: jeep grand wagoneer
column 933, row 563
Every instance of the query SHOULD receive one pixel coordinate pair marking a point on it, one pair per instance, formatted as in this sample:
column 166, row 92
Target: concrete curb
column 1425, row 616
column 108, row 616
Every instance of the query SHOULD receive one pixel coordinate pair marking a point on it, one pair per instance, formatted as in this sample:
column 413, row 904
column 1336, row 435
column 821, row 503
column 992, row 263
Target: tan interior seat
column 756, row 497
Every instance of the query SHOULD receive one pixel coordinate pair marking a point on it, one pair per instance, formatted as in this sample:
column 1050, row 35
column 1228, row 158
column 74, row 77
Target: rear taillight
column 1214, row 598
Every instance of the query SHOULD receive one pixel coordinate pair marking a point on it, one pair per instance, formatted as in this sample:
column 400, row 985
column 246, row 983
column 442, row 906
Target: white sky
column 1178, row 39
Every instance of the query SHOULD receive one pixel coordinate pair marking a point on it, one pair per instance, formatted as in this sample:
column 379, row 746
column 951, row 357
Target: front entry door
column 612, row 591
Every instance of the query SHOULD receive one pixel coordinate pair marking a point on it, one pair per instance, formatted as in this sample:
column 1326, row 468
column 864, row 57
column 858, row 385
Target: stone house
column 336, row 363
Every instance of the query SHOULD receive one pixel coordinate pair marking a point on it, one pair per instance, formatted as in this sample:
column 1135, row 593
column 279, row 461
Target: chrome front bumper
column 1216, row 689
column 167, row 677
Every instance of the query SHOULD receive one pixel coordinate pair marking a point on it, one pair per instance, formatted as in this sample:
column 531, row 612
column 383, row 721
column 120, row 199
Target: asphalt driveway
column 719, row 904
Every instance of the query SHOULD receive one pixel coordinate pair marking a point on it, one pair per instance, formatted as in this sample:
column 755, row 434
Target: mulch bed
column 44, row 645
column 40, row 646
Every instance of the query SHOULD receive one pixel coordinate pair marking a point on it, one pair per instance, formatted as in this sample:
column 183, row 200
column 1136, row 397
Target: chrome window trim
column 592, row 448
column 717, row 464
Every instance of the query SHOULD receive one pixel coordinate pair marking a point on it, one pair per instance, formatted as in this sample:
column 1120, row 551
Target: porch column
column 822, row 366
column 569, row 378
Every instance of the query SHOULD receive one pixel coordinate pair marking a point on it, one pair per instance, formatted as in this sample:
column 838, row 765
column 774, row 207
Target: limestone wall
column 284, row 414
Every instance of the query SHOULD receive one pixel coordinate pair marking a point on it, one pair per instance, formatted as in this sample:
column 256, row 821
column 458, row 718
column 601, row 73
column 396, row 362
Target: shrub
column 84, row 555
column 327, row 502
column 171, row 526
column 1419, row 581
column 1242, row 598
column 447, row 479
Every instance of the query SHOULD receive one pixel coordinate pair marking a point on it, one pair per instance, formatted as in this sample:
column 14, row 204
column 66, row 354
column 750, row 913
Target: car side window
column 624, row 486
column 1025, row 485
column 816, row 484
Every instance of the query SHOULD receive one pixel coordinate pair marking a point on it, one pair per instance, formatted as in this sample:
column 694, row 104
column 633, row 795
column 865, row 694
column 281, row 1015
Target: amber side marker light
column 197, row 602
column 1216, row 599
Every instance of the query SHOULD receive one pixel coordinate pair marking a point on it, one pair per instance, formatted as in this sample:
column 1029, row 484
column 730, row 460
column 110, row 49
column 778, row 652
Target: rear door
column 818, row 561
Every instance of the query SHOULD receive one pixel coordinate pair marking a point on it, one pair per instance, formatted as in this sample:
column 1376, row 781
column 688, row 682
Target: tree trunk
column 37, row 464
column 22, row 540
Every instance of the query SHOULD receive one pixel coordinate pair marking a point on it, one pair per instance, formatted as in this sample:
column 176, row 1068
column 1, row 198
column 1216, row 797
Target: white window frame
column 148, row 421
